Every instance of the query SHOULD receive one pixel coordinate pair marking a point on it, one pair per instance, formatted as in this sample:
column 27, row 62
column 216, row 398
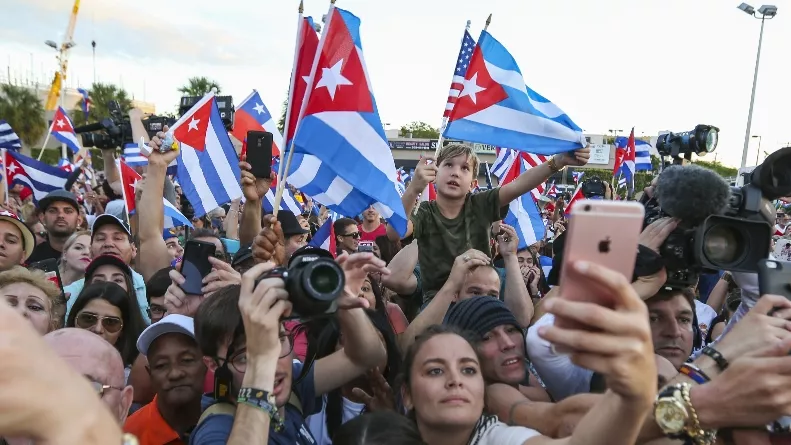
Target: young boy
column 459, row 221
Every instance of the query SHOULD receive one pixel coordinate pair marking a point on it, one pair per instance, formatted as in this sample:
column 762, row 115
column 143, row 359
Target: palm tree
column 199, row 86
column 101, row 95
column 23, row 110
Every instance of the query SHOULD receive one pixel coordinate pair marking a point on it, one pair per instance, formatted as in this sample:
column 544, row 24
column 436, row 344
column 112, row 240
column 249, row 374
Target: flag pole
column 281, row 165
column 46, row 139
column 281, row 182
column 5, row 175
column 123, row 192
column 444, row 118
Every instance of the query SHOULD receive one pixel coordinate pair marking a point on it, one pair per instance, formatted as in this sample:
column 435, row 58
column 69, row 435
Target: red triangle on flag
column 61, row 122
column 480, row 90
column 130, row 179
column 339, row 83
column 192, row 131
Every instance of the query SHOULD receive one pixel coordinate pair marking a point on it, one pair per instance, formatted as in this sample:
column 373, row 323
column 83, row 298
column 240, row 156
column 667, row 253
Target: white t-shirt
column 317, row 423
column 490, row 431
column 561, row 377
column 705, row 315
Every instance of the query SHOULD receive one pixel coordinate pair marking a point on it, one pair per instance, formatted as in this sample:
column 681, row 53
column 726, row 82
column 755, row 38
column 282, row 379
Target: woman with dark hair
column 106, row 309
column 382, row 428
column 387, row 248
column 342, row 404
column 372, row 291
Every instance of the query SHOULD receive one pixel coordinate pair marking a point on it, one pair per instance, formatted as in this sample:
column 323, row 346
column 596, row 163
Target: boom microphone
column 691, row 193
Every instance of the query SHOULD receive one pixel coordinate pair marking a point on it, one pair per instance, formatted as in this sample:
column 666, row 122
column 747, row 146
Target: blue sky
column 610, row 64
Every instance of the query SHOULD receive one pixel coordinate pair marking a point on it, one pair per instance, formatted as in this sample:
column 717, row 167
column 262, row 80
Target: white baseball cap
column 174, row 323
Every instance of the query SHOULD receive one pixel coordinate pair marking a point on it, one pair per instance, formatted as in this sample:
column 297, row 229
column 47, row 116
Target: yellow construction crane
column 63, row 59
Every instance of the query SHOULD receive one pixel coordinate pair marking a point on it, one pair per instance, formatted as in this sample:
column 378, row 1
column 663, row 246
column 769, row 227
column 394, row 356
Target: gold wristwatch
column 676, row 417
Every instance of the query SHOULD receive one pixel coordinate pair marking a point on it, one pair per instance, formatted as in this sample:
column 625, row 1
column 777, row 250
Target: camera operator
column 280, row 401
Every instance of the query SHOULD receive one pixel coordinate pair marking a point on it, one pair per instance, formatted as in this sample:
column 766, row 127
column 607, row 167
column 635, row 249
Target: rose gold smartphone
column 604, row 233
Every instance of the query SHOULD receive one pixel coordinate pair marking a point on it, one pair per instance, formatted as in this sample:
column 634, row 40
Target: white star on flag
column 134, row 184
column 193, row 125
column 259, row 108
column 471, row 88
column 331, row 78
column 12, row 168
column 306, row 79
column 60, row 123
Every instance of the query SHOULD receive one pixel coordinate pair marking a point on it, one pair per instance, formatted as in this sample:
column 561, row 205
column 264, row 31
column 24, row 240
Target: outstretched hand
column 381, row 397
column 356, row 267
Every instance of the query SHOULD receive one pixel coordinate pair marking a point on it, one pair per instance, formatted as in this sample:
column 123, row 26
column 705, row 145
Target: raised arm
column 517, row 298
column 537, row 175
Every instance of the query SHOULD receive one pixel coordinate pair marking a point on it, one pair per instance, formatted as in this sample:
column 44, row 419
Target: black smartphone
column 774, row 277
column 50, row 269
column 195, row 265
column 259, row 153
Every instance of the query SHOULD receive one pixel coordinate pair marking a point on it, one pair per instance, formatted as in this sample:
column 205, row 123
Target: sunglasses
column 100, row 388
column 355, row 235
column 87, row 320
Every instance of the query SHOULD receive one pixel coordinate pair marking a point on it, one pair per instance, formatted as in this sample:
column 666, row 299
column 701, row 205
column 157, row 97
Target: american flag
column 465, row 53
column 506, row 158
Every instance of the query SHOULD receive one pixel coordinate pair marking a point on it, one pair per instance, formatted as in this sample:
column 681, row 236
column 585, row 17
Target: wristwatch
column 676, row 417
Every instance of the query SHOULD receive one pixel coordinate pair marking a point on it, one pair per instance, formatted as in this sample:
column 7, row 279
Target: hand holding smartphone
column 259, row 153
column 604, row 233
column 195, row 265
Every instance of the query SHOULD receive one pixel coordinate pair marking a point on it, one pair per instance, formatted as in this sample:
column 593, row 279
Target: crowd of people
column 446, row 335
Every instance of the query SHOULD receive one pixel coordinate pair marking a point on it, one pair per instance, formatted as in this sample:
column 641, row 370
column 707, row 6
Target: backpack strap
column 217, row 408
column 294, row 401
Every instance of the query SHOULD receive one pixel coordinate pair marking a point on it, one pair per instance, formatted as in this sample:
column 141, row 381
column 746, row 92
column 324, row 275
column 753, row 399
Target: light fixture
column 52, row 44
column 768, row 11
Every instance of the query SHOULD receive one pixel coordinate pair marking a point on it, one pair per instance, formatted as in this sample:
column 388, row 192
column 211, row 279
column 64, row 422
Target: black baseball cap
column 243, row 254
column 289, row 224
column 58, row 195
column 105, row 219
column 104, row 260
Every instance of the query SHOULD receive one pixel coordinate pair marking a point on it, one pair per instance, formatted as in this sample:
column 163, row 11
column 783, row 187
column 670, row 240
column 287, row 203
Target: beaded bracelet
column 715, row 355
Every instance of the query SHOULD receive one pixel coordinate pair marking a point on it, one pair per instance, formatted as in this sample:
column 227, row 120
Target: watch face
column 670, row 415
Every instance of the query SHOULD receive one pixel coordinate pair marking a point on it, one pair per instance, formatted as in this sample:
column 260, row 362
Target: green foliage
column 722, row 170
column 199, row 86
column 281, row 123
column 419, row 130
column 24, row 112
column 101, row 94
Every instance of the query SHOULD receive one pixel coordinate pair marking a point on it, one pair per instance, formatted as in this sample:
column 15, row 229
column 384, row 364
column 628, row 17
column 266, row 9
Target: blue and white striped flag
column 8, row 137
column 40, row 177
column 496, row 107
column 134, row 158
column 174, row 218
column 288, row 202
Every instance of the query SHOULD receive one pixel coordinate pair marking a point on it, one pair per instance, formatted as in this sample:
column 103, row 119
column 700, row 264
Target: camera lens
column 324, row 279
column 711, row 140
column 724, row 244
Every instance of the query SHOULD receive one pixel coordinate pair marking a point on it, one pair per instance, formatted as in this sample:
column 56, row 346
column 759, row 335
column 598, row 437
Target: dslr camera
column 314, row 282
column 594, row 188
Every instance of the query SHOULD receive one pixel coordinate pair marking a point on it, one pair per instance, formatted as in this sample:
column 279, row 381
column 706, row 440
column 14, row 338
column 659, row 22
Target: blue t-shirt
column 216, row 429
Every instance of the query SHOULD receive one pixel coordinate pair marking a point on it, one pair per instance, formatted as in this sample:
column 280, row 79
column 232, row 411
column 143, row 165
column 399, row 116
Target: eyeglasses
column 87, row 320
column 42, row 234
column 100, row 388
column 156, row 309
column 239, row 361
column 355, row 235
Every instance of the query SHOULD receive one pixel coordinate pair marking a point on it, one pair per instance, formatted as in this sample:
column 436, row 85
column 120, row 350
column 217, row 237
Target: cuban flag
column 553, row 191
column 496, row 107
column 325, row 237
column 208, row 168
column 8, row 137
column 523, row 214
column 38, row 176
column 252, row 115
column 65, row 165
column 576, row 176
column 403, row 176
column 504, row 162
column 576, row 196
column 85, row 102
column 545, row 263
column 288, row 202
column 346, row 162
column 307, row 45
column 134, row 158
column 173, row 217
column 627, row 164
column 63, row 130
column 642, row 153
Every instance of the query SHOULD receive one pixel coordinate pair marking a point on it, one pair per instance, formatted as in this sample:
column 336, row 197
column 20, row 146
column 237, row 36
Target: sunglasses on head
column 87, row 320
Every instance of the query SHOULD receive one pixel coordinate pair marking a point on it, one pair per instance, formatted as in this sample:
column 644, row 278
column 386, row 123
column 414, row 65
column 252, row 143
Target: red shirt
column 150, row 428
column 381, row 230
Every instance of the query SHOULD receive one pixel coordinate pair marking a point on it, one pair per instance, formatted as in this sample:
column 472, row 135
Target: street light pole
column 766, row 12
column 752, row 96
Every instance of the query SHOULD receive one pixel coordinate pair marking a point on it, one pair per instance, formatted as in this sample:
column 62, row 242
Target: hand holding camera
column 263, row 303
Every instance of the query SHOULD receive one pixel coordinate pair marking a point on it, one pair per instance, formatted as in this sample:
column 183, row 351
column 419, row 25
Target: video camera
column 722, row 227
column 314, row 282
column 224, row 103
column 680, row 146
column 115, row 131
